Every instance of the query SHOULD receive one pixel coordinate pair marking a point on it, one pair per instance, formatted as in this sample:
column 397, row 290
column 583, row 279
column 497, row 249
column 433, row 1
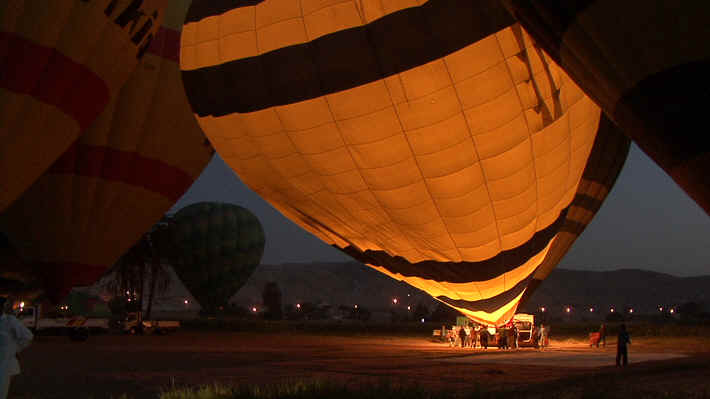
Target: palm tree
column 162, row 248
column 142, row 265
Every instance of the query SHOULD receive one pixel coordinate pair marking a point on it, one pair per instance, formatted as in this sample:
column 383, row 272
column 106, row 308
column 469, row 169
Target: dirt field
column 109, row 365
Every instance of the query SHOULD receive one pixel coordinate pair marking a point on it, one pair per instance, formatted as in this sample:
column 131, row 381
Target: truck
column 526, row 328
column 134, row 320
column 76, row 327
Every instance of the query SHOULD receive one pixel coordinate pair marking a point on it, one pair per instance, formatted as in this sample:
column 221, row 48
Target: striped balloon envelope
column 130, row 166
column 645, row 63
column 61, row 63
column 611, row 147
column 431, row 140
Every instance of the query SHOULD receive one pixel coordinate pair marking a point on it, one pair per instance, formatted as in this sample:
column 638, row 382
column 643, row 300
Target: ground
column 110, row 365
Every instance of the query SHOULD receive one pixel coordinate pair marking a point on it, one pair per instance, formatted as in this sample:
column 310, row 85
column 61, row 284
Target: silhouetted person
column 476, row 341
column 484, row 338
column 542, row 337
column 14, row 337
column 602, row 335
column 462, row 335
column 621, row 350
column 503, row 339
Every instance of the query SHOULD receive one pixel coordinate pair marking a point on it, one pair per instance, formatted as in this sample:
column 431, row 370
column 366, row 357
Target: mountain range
column 353, row 283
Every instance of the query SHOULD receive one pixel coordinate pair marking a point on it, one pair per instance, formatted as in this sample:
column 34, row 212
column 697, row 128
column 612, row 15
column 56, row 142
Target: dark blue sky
column 647, row 222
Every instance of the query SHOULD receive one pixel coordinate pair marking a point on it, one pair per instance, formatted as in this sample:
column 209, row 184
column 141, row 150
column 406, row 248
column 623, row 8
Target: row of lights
column 568, row 309
column 298, row 306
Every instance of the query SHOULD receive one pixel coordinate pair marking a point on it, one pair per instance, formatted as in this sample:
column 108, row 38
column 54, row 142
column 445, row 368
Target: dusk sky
column 647, row 222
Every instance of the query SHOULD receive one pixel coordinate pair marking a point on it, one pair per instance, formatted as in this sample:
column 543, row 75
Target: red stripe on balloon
column 58, row 278
column 166, row 44
column 125, row 167
column 51, row 78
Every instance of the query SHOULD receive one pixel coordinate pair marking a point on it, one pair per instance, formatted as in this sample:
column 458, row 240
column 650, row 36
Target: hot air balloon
column 218, row 247
column 132, row 164
column 431, row 140
column 611, row 147
column 61, row 63
column 645, row 64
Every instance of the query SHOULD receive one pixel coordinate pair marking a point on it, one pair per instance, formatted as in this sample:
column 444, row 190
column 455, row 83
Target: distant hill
column 353, row 283
column 643, row 290
column 336, row 284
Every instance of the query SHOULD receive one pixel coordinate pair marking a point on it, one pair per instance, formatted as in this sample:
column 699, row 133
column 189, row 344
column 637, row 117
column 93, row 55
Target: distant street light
column 611, row 310
column 672, row 311
column 253, row 309
column 591, row 310
column 409, row 308
column 542, row 309
column 186, row 301
column 298, row 306
column 631, row 310
column 355, row 306
column 394, row 301
column 660, row 308
column 568, row 309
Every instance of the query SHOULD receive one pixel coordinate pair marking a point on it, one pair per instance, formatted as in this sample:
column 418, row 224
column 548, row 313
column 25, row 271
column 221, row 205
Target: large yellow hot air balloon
column 118, row 179
column 645, row 62
column 61, row 63
column 431, row 140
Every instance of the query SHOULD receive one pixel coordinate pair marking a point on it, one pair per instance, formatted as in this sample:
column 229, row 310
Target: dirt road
column 109, row 365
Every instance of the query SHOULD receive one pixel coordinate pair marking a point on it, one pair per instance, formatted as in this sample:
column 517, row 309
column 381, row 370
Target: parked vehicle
column 526, row 326
column 134, row 322
column 76, row 327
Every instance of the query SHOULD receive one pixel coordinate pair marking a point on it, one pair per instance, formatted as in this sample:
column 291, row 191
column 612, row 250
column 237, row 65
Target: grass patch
column 605, row 388
column 303, row 390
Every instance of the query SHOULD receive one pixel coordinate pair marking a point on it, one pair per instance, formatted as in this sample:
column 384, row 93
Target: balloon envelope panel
column 431, row 140
column 61, row 64
column 645, row 63
column 132, row 164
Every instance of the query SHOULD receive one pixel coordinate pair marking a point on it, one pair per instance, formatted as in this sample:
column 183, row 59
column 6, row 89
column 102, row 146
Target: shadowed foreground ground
column 141, row 366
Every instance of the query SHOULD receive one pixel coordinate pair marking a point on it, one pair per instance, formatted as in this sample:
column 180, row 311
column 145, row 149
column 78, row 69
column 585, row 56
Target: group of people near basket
column 469, row 337
column 506, row 337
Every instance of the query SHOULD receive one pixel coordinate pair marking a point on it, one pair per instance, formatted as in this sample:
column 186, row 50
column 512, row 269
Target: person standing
column 542, row 337
column 602, row 335
column 14, row 337
column 462, row 335
column 621, row 349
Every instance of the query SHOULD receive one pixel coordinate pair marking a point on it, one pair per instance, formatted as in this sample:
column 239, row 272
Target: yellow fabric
column 32, row 134
column 93, row 227
column 22, row 156
column 454, row 160
column 92, row 220
column 472, row 291
column 497, row 318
